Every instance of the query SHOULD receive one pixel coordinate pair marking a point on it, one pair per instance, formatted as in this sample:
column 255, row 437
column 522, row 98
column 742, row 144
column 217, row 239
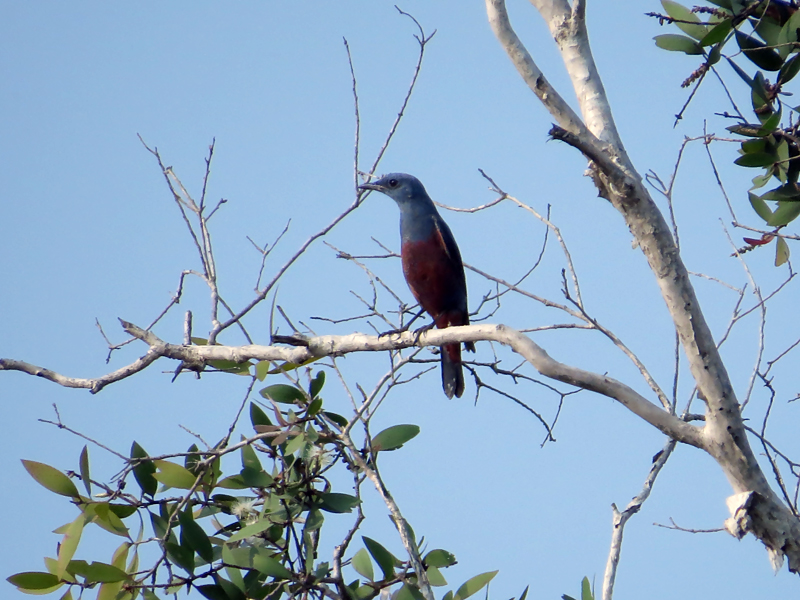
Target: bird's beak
column 370, row 186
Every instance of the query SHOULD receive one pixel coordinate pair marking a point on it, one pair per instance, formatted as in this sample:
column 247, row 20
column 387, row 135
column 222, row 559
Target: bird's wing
column 447, row 241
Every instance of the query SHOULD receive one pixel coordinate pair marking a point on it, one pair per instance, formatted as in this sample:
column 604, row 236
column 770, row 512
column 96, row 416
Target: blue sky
column 88, row 231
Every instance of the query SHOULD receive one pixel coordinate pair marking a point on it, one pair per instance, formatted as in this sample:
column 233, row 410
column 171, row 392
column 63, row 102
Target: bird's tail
column 452, row 371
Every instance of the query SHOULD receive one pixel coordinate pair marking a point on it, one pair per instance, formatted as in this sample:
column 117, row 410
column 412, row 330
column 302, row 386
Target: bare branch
column 621, row 518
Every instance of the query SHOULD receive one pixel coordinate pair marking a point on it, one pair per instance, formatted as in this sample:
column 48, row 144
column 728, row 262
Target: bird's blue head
column 400, row 187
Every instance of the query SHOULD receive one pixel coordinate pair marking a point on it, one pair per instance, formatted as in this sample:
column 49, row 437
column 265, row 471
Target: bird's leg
column 405, row 327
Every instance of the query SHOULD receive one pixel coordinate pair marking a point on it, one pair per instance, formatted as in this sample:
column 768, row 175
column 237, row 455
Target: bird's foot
column 393, row 331
column 421, row 330
column 404, row 328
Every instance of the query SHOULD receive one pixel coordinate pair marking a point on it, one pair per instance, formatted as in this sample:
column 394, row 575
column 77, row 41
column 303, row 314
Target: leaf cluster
column 767, row 34
column 251, row 533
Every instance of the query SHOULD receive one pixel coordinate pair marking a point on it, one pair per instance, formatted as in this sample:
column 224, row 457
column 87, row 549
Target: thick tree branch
column 568, row 28
column 533, row 76
column 331, row 345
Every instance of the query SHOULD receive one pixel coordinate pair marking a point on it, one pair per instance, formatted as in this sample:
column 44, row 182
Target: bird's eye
column 393, row 183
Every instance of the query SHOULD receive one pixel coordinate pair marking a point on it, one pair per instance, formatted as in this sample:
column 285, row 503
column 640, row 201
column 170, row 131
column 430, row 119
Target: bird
column 431, row 265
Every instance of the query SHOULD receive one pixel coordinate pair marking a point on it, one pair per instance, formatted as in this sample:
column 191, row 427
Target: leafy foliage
column 766, row 34
column 262, row 542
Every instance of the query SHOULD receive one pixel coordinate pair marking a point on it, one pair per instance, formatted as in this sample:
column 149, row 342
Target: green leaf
column 754, row 145
column 338, row 419
column 266, row 565
column 230, row 588
column 681, row 13
column 212, row 591
column 335, row 502
column 174, row 475
column 143, row 472
column 194, row 536
column 159, row 524
column 770, row 121
column 84, row 469
column 256, row 479
column 365, row 592
column 51, row 478
column 314, row 520
column 363, row 565
column 678, row 43
column 316, row 384
column 586, row 590
column 761, row 56
column 760, row 181
column 290, row 366
column 251, row 530
column 69, row 544
column 781, row 252
column 408, row 592
column 263, row 369
column 473, row 585
column 788, row 36
column 756, row 159
column 285, row 394
column 51, row 564
column 238, row 557
column 123, row 511
column 714, row 55
column 382, row 556
column 199, row 341
column 314, row 407
column 439, row 558
column 784, row 214
column 258, row 416
column 106, row 518
column 98, row 572
column 234, row 482
column 740, row 72
column 110, row 591
column 183, row 556
column 746, row 129
column 394, row 437
column 759, row 206
column 435, row 577
column 33, row 580
column 255, row 557
column 294, row 444
column 524, row 593
column 250, row 459
column 789, row 69
column 769, row 30
column 229, row 366
column 788, row 191
column 718, row 33
column 191, row 460
column 121, row 555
